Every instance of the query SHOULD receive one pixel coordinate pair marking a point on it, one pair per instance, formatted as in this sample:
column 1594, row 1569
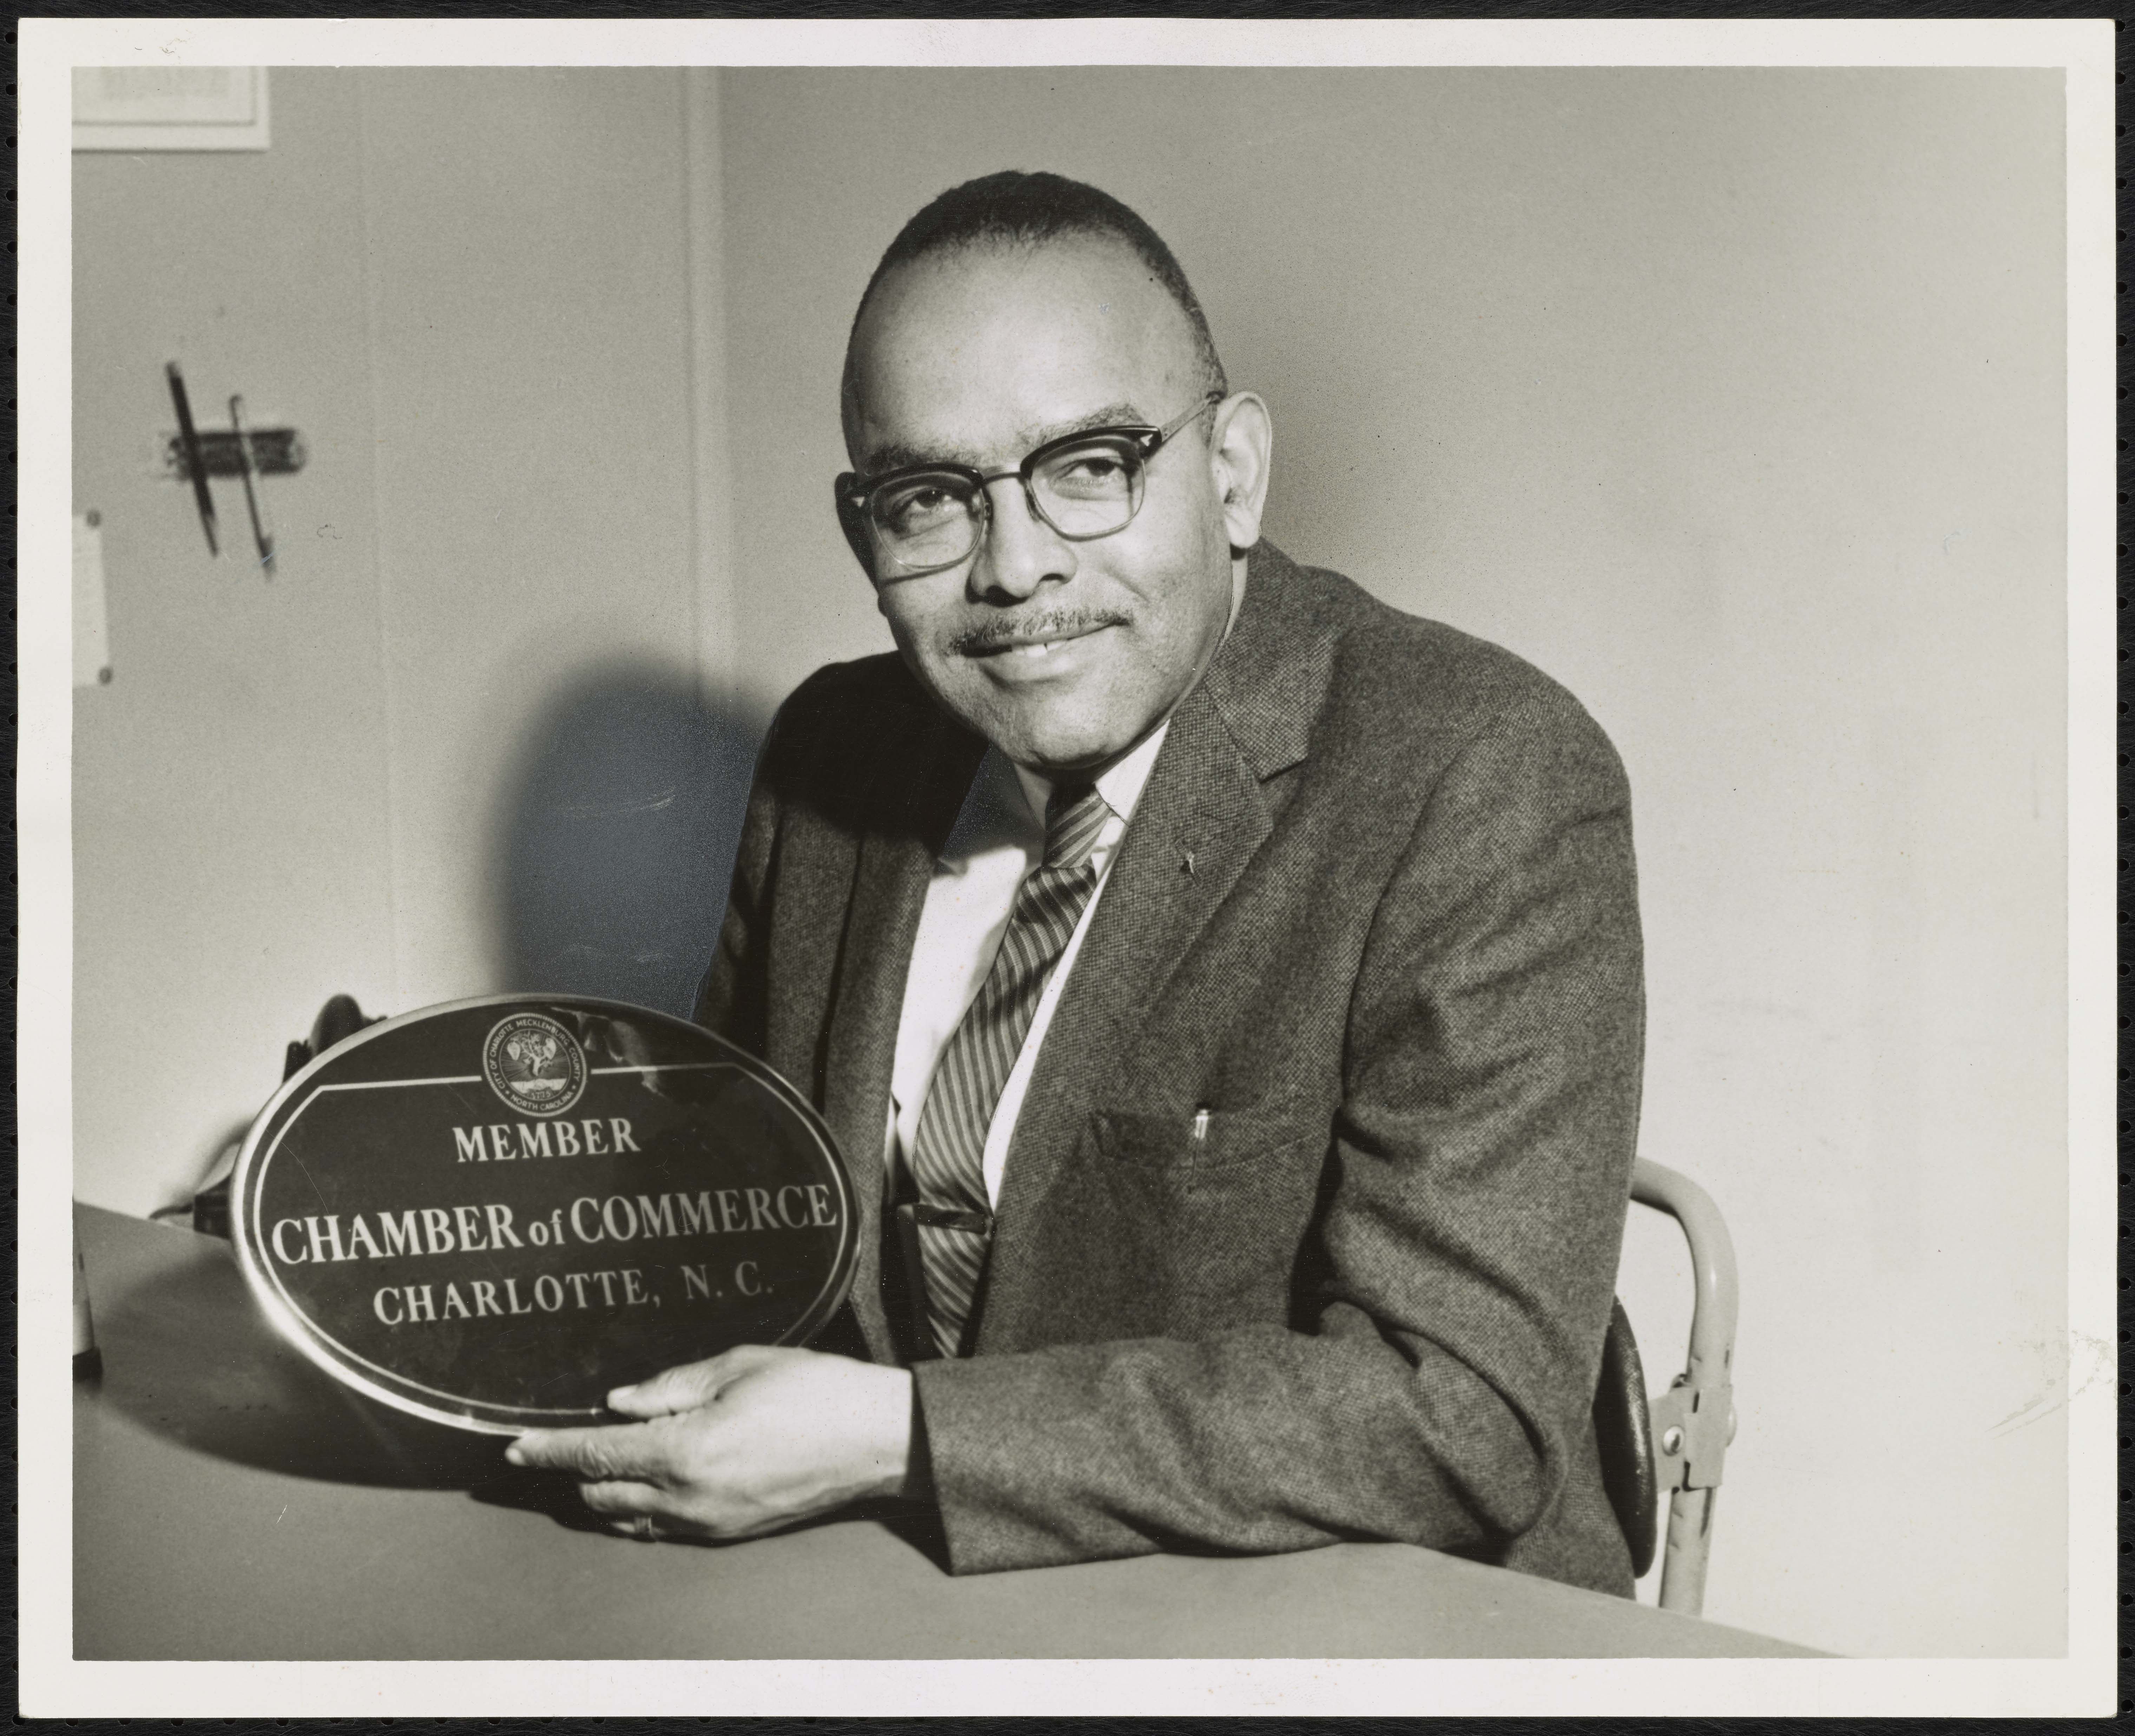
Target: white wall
column 439, row 753
column 1733, row 400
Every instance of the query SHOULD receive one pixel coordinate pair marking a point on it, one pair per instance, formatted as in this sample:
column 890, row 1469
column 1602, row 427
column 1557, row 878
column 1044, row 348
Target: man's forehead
column 965, row 353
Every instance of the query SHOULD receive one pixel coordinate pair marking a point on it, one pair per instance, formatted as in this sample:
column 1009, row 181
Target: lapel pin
column 1186, row 862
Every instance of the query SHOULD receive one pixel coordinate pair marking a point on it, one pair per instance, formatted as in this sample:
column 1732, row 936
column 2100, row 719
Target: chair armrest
column 1694, row 1420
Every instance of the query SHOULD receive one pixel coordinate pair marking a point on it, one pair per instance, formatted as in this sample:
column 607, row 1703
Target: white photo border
column 53, row 1684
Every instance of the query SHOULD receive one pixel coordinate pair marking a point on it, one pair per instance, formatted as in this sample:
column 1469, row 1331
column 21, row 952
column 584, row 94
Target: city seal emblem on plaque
column 534, row 1064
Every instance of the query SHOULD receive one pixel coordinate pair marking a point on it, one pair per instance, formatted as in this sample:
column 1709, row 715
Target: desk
column 232, row 1502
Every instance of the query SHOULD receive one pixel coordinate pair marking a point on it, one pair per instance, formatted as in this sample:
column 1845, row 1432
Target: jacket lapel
column 896, row 863
column 1201, row 818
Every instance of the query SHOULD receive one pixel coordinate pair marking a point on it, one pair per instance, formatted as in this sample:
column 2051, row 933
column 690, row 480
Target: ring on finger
column 642, row 1529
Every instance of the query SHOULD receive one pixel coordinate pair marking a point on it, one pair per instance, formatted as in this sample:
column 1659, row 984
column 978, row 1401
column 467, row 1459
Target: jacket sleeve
column 1435, row 1383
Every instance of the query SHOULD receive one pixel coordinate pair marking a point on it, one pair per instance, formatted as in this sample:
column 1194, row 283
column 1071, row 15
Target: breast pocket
column 1201, row 1225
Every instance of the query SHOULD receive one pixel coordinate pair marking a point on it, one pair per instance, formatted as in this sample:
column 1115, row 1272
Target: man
column 1226, row 988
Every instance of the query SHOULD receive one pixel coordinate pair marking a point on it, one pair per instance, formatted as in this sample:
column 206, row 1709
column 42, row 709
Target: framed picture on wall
column 170, row 108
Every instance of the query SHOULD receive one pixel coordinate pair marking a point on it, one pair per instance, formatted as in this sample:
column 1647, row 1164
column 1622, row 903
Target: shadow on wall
column 617, row 838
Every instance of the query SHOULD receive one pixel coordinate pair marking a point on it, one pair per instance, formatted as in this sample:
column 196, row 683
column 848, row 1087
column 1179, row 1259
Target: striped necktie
column 953, row 1218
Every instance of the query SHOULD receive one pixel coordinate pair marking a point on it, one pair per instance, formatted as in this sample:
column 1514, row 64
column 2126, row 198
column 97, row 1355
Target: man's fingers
column 620, row 1498
column 672, row 1390
column 593, row 1455
column 631, row 1509
column 686, row 1388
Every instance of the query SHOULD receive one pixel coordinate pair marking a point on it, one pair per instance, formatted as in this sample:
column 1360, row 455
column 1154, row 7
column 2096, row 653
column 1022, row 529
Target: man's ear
column 1239, row 446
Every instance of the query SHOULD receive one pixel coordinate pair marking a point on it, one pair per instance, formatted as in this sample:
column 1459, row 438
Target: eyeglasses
column 926, row 517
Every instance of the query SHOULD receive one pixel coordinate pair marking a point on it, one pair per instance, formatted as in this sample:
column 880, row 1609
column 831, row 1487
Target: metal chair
column 1678, row 1441
column 210, row 1205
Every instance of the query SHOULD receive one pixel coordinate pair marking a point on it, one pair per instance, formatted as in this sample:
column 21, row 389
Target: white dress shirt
column 998, row 837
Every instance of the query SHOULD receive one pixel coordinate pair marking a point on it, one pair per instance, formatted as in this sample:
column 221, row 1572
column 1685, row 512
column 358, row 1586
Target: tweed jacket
column 1376, row 914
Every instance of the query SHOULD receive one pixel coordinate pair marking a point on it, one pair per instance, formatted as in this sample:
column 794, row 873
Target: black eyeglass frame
column 853, row 492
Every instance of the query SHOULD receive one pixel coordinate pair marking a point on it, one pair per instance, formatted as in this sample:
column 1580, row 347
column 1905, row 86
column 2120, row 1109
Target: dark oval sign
column 491, row 1212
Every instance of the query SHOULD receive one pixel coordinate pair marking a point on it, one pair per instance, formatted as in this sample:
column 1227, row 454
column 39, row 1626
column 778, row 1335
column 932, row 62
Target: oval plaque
column 490, row 1213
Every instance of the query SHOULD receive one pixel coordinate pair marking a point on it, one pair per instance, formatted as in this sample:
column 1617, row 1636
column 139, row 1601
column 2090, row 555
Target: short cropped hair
column 1013, row 208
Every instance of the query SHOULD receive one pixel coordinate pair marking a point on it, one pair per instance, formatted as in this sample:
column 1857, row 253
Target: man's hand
column 739, row 1445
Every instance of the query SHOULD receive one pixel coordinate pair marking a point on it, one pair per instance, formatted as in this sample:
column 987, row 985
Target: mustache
column 1043, row 624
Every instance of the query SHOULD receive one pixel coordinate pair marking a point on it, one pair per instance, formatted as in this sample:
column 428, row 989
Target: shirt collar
column 1121, row 786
